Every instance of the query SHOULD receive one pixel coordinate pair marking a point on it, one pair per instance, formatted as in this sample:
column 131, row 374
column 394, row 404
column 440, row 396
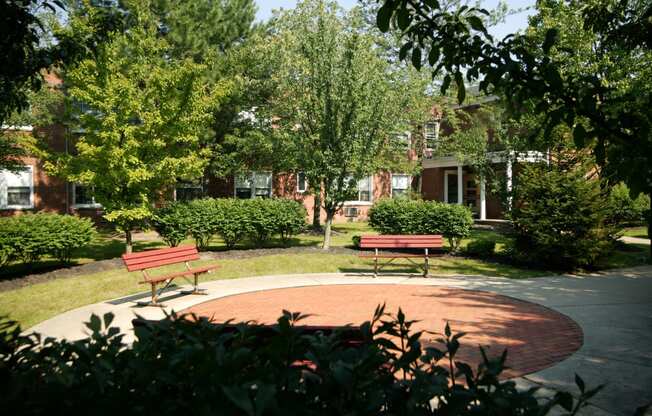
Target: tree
column 339, row 102
column 606, row 106
column 140, row 131
column 27, row 55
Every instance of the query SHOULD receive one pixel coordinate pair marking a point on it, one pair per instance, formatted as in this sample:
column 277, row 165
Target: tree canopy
column 138, row 116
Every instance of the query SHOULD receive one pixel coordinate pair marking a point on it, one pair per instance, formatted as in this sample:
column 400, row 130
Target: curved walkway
column 613, row 309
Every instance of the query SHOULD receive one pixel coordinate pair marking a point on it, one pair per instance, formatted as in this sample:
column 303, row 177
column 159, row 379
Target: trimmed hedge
column 481, row 248
column 233, row 220
column 27, row 238
column 402, row 216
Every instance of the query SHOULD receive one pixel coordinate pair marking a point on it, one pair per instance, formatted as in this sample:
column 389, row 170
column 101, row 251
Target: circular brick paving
column 535, row 337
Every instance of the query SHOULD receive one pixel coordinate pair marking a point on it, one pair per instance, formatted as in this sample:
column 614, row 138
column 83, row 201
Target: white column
column 460, row 185
column 483, row 200
column 509, row 181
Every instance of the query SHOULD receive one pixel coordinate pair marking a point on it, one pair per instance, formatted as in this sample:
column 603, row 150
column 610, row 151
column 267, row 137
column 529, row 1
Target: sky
column 512, row 23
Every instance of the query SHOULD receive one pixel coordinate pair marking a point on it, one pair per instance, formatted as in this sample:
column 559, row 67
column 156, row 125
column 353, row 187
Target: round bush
column 481, row 248
column 290, row 218
column 30, row 237
column 233, row 221
column 400, row 216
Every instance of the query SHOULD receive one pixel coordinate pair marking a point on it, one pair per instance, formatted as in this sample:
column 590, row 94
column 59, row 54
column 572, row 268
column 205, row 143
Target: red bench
column 146, row 260
column 384, row 242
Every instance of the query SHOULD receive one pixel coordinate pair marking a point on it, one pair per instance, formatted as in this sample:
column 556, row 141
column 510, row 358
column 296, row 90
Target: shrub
column 625, row 211
column 262, row 217
column 356, row 241
column 204, row 216
column 178, row 366
column 481, row 248
column 559, row 218
column 290, row 218
column 400, row 216
column 232, row 223
column 30, row 237
column 172, row 223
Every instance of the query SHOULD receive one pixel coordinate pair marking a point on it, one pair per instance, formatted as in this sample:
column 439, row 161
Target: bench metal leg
column 154, row 301
column 376, row 264
column 425, row 268
column 195, row 287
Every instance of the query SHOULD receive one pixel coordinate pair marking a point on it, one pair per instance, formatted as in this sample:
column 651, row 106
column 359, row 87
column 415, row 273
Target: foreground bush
column 560, row 218
column 481, row 248
column 28, row 238
column 233, row 220
column 181, row 367
column 402, row 216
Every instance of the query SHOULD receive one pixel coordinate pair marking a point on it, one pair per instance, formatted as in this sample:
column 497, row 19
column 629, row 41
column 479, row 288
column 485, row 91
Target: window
column 400, row 185
column 403, row 140
column 188, row 190
column 83, row 196
column 364, row 189
column 431, row 131
column 302, row 182
column 253, row 185
column 17, row 189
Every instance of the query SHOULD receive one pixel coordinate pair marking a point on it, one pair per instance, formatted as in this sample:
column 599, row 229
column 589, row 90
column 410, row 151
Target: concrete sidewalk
column 614, row 310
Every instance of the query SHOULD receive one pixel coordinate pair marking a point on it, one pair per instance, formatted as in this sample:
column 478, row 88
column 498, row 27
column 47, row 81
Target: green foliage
column 231, row 219
column 481, row 248
column 624, row 210
column 177, row 366
column 401, row 216
column 340, row 101
column 172, row 223
column 24, row 42
column 29, row 237
column 145, row 115
column 560, row 218
column 355, row 240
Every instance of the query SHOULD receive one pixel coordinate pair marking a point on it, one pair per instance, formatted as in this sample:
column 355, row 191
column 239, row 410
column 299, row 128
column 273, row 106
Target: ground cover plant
column 178, row 365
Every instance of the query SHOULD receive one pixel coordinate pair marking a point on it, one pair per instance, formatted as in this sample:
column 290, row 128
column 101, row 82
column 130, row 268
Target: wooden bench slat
column 156, row 252
column 160, row 260
column 190, row 272
column 403, row 245
column 391, row 256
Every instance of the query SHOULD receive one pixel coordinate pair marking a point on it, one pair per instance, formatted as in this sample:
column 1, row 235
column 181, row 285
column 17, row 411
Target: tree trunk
column 316, row 213
column 129, row 244
column 327, row 230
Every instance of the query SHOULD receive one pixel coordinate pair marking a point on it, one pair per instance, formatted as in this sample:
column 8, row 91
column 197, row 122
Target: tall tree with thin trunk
column 138, row 133
column 340, row 102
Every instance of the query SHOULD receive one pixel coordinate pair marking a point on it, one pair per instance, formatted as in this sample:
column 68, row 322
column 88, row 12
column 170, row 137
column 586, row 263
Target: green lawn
column 638, row 232
column 35, row 303
column 32, row 304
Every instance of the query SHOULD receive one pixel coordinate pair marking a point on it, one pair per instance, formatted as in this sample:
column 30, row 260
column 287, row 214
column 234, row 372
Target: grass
column 638, row 232
column 32, row 304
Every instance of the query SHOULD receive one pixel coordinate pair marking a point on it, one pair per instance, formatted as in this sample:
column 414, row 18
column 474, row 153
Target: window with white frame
column 188, row 190
column 364, row 189
column 83, row 196
column 253, row 185
column 17, row 189
column 302, row 182
column 431, row 133
column 403, row 140
column 400, row 185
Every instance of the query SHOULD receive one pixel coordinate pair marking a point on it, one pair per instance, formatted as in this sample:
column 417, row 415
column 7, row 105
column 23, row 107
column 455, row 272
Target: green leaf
column 433, row 56
column 403, row 18
column 476, row 23
column 445, row 84
column 402, row 53
column 565, row 400
column 384, row 16
column 416, row 57
column 579, row 382
column 579, row 136
column 551, row 38
column 461, row 88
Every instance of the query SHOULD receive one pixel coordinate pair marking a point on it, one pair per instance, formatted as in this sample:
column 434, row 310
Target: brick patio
column 536, row 337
